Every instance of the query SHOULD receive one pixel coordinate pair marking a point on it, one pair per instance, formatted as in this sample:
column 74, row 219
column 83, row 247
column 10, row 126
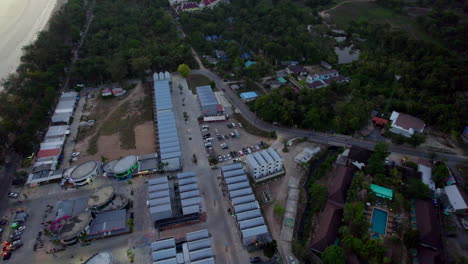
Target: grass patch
column 251, row 129
column 376, row 14
column 195, row 80
column 251, row 87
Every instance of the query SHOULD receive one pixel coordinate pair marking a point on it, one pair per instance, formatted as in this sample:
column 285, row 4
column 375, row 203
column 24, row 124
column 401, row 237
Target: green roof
column 282, row 80
column 382, row 191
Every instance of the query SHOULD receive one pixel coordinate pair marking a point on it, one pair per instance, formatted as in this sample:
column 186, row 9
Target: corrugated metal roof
column 162, row 95
column 188, row 187
column 158, row 180
column 169, row 150
column 158, row 187
column 161, row 212
column 206, row 95
column 249, row 223
column 159, row 201
column 164, row 254
column 171, row 155
column 189, row 194
column 250, row 160
column 230, row 167
column 274, row 154
column 248, row 215
column 190, row 201
column 267, row 156
column 259, row 158
column 201, row 254
column 159, row 194
column 243, row 199
column 187, row 181
column 174, row 143
column 163, row 244
column 246, row 207
column 237, row 186
column 240, row 178
column 240, row 192
column 198, row 235
column 192, row 209
column 199, row 244
column 233, row 173
column 167, row 261
column 254, row 231
column 204, row 261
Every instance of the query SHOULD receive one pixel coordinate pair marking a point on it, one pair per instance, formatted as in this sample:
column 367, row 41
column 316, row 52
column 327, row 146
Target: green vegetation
column 31, row 92
column 252, row 129
column 372, row 13
column 127, row 39
column 440, row 175
column 270, row 30
column 269, row 249
column 184, row 70
column 279, row 210
column 334, row 255
column 195, row 80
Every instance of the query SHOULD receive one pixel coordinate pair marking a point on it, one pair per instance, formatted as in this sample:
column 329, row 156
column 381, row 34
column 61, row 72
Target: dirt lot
column 195, row 80
column 123, row 126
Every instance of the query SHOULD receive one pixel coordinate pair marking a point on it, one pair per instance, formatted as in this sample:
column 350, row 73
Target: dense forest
column 395, row 72
column 270, row 31
column 127, row 38
column 30, row 93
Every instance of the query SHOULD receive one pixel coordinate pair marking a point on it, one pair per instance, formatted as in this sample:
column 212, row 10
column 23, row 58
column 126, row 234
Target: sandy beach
column 20, row 21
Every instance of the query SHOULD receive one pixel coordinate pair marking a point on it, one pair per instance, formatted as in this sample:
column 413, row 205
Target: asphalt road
column 332, row 139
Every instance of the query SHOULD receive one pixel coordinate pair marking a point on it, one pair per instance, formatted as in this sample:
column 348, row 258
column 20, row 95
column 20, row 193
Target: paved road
column 332, row 139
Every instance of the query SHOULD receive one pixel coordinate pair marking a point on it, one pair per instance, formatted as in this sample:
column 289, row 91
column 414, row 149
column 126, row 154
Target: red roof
column 379, row 121
column 209, row 2
column 189, row 5
column 44, row 153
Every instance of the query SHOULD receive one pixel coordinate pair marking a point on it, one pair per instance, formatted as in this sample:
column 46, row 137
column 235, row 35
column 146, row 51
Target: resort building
column 148, row 164
column 264, row 164
column 84, row 173
column 248, row 96
column 110, row 223
column 429, row 248
column 254, row 232
column 195, row 248
column 406, row 125
column 457, row 198
column 306, row 155
column 382, row 192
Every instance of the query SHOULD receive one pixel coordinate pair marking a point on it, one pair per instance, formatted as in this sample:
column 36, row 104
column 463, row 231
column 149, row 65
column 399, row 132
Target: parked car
column 241, row 153
column 240, row 125
column 21, row 228
column 13, row 195
column 236, row 160
column 229, row 125
column 14, row 238
column 16, row 242
column 220, row 158
column 229, row 156
column 223, row 146
column 75, row 154
column 233, row 124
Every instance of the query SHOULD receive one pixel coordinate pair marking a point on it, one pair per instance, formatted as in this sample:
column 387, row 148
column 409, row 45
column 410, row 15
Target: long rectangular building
column 166, row 129
column 251, row 224
column 264, row 163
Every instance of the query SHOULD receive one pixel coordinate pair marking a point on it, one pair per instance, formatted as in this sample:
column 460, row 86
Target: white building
column 264, row 163
column 306, row 155
column 406, row 125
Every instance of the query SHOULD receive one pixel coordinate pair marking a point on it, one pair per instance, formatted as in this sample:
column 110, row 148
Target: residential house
column 272, row 84
column 118, row 91
column 187, row 7
column 323, row 75
column 249, row 96
column 220, row 54
column 428, row 225
column 209, row 3
column 106, row 92
column 406, row 125
column 296, row 70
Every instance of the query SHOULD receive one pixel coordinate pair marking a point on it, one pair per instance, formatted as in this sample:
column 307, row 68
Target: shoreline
column 12, row 59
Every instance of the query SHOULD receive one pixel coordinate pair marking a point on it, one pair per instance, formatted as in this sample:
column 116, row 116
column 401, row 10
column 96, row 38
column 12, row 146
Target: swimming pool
column 379, row 221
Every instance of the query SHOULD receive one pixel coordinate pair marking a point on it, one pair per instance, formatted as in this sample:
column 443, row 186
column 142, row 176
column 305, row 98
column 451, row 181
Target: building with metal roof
column 261, row 165
column 245, row 207
column 194, row 248
column 110, row 223
column 84, row 173
column 174, row 201
column 148, row 164
column 100, row 258
column 249, row 96
column 57, row 131
column 208, row 101
column 166, row 129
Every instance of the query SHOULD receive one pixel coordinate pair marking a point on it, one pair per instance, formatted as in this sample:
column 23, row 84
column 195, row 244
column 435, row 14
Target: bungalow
column 378, row 121
column 209, row 3
column 187, row 7
column 272, row 84
column 316, row 84
column 106, row 92
column 406, row 125
column 428, row 225
column 322, row 75
column 248, row 96
column 220, row 54
column 296, row 70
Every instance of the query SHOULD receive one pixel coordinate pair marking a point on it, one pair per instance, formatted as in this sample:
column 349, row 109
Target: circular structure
column 84, row 173
column 74, row 227
column 123, row 169
column 101, row 258
column 101, row 198
column 109, row 166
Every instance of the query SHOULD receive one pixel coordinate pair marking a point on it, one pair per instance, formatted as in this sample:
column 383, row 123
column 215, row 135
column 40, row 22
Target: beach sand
column 20, row 21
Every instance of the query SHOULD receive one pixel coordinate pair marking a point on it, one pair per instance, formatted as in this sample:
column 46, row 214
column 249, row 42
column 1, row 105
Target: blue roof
column 249, row 63
column 248, row 95
column 245, row 56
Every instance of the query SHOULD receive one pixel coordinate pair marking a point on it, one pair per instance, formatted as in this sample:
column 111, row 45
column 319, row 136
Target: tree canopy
column 334, row 255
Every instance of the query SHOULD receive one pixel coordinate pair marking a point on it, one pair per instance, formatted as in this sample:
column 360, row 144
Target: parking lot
column 228, row 141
